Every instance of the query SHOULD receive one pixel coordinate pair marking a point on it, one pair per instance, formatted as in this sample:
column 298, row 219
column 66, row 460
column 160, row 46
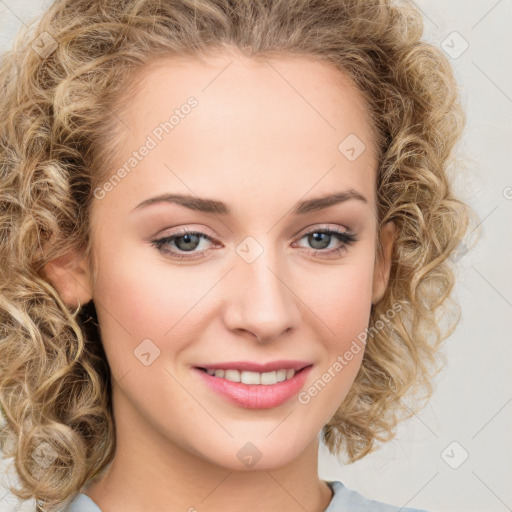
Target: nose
column 261, row 300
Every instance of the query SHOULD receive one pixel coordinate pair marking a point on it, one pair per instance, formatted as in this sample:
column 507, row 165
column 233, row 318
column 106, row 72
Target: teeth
column 266, row 378
column 232, row 375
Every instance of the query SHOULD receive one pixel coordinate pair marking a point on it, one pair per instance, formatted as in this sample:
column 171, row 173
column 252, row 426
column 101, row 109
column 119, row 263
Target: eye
column 321, row 238
column 185, row 241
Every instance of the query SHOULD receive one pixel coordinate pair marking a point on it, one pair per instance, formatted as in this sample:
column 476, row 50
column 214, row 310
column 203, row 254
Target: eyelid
column 322, row 227
column 183, row 230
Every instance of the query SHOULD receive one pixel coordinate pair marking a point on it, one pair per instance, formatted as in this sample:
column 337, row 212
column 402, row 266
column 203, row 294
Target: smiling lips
column 256, row 386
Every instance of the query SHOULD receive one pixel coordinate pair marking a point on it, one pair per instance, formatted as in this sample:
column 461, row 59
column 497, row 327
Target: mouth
column 255, row 389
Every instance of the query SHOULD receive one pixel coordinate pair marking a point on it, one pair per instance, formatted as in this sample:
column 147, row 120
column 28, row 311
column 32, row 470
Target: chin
column 258, row 455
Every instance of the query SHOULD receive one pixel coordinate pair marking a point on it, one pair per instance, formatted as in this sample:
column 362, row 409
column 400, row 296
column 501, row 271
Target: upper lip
column 257, row 367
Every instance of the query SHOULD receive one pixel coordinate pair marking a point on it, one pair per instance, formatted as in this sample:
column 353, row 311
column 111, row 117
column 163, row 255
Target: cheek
column 343, row 305
column 143, row 295
column 139, row 301
column 342, row 301
column 342, row 297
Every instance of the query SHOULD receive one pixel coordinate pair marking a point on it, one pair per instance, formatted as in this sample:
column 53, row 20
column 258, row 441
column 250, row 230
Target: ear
column 71, row 276
column 383, row 262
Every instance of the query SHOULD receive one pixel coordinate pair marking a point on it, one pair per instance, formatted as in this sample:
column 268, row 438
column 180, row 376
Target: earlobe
column 383, row 262
column 70, row 275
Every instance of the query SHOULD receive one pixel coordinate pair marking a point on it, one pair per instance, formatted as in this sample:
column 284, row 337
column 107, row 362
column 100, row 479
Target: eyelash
column 344, row 237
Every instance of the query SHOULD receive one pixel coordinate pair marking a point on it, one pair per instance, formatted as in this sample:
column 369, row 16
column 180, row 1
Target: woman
column 225, row 229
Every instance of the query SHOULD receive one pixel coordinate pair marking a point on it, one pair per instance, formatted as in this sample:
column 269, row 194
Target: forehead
column 232, row 87
column 282, row 122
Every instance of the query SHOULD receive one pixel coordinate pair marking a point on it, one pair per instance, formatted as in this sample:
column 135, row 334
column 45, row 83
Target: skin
column 261, row 138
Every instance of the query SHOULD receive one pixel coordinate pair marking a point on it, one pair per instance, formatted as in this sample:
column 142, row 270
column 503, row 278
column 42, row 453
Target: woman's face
column 253, row 282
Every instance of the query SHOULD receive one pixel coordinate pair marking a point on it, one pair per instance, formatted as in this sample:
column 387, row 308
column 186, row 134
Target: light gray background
column 473, row 394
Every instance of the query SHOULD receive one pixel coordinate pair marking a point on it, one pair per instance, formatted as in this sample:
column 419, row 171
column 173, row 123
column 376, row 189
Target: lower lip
column 256, row 396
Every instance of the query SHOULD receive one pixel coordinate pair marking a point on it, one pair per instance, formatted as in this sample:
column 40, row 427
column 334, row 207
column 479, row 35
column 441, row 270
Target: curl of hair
column 58, row 135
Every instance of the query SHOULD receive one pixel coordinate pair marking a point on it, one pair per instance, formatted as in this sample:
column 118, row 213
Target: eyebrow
column 219, row 208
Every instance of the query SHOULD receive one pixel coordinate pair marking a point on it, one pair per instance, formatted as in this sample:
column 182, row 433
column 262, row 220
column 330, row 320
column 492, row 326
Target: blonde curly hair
column 59, row 87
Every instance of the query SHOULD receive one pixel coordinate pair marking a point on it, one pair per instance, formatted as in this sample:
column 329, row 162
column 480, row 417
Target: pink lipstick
column 259, row 386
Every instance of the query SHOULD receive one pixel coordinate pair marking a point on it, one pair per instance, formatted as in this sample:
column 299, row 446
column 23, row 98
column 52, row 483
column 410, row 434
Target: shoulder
column 348, row 499
column 81, row 503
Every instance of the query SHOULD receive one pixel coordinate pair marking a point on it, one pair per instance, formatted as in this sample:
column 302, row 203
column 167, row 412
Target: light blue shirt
column 344, row 500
